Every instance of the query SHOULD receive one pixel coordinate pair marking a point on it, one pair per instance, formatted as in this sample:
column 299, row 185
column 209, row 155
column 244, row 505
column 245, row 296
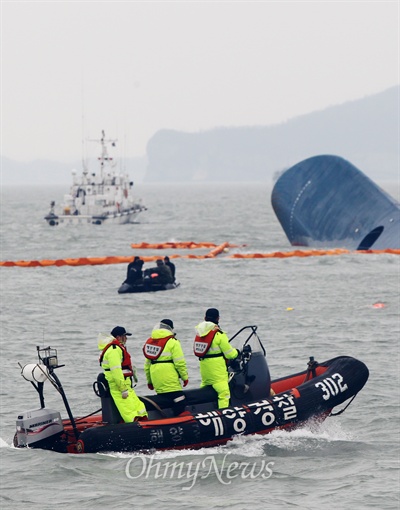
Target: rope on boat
column 344, row 409
column 156, row 406
column 77, row 420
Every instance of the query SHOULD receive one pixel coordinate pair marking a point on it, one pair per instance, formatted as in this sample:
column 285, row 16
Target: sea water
column 314, row 306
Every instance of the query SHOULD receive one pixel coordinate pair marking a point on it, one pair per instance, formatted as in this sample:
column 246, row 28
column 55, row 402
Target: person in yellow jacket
column 212, row 347
column 116, row 362
column 165, row 365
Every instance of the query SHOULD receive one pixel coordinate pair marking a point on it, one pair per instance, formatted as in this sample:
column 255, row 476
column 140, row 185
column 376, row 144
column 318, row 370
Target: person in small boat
column 161, row 274
column 165, row 365
column 117, row 365
column 134, row 271
column 212, row 347
column 171, row 265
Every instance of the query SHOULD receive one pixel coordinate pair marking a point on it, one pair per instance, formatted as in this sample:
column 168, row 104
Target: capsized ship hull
column 325, row 201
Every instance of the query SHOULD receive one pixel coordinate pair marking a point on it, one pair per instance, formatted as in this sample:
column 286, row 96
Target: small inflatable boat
column 258, row 406
column 141, row 286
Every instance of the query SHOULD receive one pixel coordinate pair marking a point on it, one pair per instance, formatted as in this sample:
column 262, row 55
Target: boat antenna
column 124, row 158
column 84, row 155
column 85, row 170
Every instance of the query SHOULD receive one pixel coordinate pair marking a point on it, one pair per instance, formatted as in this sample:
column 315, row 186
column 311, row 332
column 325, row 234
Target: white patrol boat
column 97, row 198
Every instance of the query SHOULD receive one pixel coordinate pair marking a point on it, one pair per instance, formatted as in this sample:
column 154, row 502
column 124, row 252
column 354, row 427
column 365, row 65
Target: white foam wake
column 3, row 444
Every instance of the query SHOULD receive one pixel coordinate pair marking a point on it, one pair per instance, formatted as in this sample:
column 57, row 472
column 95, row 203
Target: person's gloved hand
column 150, row 386
column 239, row 353
column 235, row 364
column 125, row 394
column 185, row 383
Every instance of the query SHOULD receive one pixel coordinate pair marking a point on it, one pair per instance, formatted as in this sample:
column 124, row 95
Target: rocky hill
column 364, row 131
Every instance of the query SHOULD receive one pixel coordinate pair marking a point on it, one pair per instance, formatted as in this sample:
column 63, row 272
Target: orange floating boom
column 216, row 251
column 95, row 261
column 189, row 245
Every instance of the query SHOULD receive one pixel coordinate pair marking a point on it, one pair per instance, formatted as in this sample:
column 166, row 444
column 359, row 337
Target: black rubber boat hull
column 129, row 289
column 313, row 399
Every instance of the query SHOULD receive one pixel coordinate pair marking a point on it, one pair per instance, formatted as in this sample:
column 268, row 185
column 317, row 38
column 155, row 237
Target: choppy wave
column 4, row 444
column 347, row 462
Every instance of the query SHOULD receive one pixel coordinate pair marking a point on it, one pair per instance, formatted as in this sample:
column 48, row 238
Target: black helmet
column 212, row 315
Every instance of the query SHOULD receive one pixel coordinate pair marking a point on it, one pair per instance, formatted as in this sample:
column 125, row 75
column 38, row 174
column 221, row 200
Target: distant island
column 364, row 131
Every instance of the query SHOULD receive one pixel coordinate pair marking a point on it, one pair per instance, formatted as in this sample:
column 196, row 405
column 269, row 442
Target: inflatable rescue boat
column 140, row 286
column 258, row 406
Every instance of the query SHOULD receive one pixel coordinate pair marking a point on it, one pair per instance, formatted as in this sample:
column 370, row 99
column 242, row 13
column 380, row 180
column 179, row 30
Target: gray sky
column 71, row 69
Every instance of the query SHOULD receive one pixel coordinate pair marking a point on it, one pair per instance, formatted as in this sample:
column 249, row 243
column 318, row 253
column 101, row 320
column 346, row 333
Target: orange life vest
column 126, row 363
column 202, row 344
column 153, row 348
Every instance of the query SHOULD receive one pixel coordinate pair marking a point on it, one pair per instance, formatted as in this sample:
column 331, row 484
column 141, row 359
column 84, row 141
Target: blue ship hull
column 325, row 201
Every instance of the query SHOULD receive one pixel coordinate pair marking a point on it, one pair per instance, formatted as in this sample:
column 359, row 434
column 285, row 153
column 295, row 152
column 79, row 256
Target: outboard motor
column 42, row 428
column 37, row 427
column 109, row 410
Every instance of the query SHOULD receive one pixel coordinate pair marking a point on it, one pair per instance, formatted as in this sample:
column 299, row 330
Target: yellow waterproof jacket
column 112, row 363
column 130, row 407
column 214, row 369
column 165, row 376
